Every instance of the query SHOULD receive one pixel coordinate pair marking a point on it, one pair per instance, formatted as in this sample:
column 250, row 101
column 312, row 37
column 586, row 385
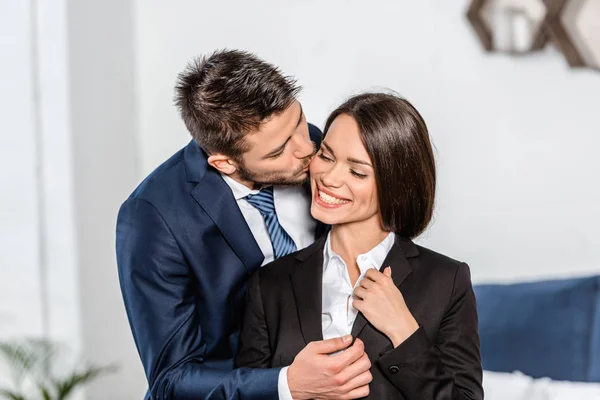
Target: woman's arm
column 255, row 351
column 449, row 368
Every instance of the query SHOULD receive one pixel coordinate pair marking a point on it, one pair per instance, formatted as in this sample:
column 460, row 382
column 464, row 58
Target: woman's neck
column 350, row 240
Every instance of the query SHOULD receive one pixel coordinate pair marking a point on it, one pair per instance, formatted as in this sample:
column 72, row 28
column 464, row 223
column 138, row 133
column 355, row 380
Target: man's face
column 279, row 152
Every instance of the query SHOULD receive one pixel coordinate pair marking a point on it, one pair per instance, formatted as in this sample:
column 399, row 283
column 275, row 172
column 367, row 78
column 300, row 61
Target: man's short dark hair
column 224, row 96
column 396, row 139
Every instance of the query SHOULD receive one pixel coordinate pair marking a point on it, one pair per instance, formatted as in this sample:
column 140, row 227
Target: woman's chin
column 325, row 216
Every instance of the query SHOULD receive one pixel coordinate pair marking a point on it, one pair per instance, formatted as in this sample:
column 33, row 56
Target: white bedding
column 517, row 386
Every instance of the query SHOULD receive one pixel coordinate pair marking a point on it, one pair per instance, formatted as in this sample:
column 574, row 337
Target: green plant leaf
column 34, row 361
column 45, row 393
column 29, row 357
column 18, row 358
column 11, row 395
column 65, row 387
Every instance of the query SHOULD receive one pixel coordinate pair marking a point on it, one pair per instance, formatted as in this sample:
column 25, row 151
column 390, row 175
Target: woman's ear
column 222, row 163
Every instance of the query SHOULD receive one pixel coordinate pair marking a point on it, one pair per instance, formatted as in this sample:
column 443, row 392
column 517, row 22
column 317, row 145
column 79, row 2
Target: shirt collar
column 375, row 257
column 238, row 189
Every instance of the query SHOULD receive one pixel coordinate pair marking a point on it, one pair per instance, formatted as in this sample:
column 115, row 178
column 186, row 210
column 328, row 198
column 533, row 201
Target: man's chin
column 298, row 180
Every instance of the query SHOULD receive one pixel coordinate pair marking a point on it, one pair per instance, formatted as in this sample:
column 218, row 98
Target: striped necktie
column 280, row 240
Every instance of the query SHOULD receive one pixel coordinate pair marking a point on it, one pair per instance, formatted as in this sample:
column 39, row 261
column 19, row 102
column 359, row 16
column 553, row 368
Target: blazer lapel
column 401, row 269
column 215, row 197
column 307, row 286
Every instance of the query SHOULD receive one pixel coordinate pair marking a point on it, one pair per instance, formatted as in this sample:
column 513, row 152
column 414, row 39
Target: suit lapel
column 401, row 269
column 215, row 197
column 307, row 286
column 321, row 230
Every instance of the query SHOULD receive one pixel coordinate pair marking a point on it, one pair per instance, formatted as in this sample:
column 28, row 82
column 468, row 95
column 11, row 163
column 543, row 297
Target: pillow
column 541, row 328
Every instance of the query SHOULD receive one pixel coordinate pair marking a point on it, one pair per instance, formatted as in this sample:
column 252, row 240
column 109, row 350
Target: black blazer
column 440, row 360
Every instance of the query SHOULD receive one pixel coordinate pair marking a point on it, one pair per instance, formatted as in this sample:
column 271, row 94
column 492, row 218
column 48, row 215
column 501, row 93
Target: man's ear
column 222, row 163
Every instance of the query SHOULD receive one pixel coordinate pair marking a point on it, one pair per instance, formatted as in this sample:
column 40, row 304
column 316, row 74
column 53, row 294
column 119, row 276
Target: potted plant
column 37, row 370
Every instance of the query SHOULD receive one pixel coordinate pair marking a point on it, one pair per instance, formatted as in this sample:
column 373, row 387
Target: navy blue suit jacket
column 185, row 254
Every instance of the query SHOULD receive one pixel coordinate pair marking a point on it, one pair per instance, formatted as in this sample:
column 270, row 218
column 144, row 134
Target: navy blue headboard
column 546, row 328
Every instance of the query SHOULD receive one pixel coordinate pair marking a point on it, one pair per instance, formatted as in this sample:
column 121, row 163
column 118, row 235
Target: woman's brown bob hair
column 396, row 138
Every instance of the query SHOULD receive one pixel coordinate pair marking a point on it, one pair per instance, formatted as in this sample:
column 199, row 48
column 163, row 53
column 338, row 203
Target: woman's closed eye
column 323, row 157
column 356, row 174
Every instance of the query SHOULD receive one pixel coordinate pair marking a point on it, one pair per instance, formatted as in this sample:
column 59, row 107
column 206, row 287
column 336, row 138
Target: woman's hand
column 383, row 305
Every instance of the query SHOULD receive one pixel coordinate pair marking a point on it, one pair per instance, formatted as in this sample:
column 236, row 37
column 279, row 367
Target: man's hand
column 315, row 374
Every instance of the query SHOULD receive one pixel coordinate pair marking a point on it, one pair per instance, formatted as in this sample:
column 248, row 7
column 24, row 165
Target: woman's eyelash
column 324, row 157
column 356, row 174
column 327, row 159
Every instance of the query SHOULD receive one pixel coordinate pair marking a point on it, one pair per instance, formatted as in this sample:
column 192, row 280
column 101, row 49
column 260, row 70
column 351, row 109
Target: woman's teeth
column 330, row 199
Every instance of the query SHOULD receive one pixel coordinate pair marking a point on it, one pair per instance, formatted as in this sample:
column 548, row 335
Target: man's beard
column 297, row 178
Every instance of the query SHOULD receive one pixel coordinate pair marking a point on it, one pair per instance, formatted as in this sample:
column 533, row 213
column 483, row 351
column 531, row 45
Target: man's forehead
column 276, row 130
column 287, row 119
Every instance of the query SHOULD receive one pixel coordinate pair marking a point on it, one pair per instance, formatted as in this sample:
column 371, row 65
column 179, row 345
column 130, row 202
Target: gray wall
column 86, row 96
column 514, row 136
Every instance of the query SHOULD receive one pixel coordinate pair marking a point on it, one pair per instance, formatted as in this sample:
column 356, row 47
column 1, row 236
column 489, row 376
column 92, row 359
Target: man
column 190, row 236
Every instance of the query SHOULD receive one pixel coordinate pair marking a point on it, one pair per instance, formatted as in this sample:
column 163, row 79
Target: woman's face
column 342, row 178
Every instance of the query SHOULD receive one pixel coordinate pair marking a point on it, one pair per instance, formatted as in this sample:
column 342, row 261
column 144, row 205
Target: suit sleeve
column 160, row 295
column 450, row 369
column 254, row 351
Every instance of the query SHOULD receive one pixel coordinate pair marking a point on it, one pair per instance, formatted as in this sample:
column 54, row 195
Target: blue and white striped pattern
column 280, row 240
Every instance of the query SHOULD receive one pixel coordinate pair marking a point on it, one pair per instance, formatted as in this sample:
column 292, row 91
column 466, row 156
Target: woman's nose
column 332, row 177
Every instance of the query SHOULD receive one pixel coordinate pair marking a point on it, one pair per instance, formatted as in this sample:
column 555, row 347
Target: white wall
column 103, row 123
column 517, row 177
column 20, row 298
column 68, row 161
column 38, row 294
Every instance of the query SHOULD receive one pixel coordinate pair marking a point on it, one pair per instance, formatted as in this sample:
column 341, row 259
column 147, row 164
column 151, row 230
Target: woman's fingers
column 360, row 292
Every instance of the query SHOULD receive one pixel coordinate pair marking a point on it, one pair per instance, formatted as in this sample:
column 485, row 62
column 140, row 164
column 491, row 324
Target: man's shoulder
column 173, row 177
column 161, row 177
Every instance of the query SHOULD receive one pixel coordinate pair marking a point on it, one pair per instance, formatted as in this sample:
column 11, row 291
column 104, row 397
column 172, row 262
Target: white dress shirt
column 292, row 205
column 338, row 314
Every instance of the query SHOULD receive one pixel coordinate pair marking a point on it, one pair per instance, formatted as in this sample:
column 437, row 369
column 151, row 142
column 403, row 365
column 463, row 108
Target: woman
column 373, row 181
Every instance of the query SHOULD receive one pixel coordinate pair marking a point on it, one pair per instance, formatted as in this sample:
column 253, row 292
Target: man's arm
column 160, row 296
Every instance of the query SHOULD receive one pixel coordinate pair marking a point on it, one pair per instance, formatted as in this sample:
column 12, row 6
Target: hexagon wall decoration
column 559, row 34
column 574, row 26
column 524, row 26
column 509, row 26
column 481, row 29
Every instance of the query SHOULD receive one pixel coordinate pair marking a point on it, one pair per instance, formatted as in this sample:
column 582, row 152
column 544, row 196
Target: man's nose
column 305, row 147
